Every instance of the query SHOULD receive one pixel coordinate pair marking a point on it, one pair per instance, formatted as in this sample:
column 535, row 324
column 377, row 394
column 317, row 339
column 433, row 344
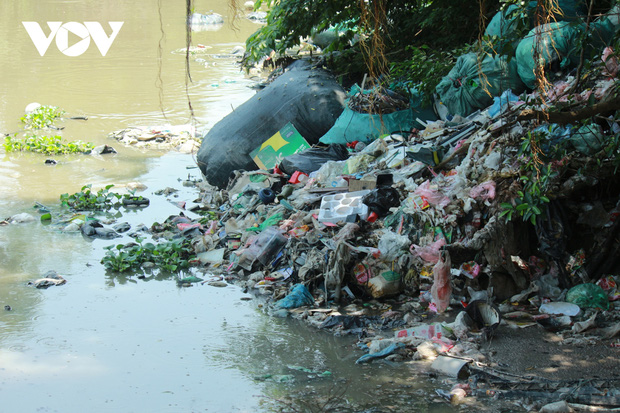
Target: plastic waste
column 290, row 98
column 263, row 248
column 451, row 366
column 312, row 159
column 385, row 284
column 550, row 43
column 486, row 316
column 392, row 245
column 380, row 200
column 582, row 326
column 588, row 139
column 298, row 297
column 432, row 195
column 429, row 253
column 336, row 208
column 470, row 269
column 380, row 354
column 50, row 278
column 588, row 296
column 501, row 103
column 429, row 331
column 266, row 195
column 484, row 191
column 353, row 125
column 441, row 289
column 472, row 82
column 559, row 308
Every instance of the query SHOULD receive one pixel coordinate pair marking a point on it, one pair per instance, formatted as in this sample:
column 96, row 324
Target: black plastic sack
column 307, row 97
column 380, row 200
column 312, row 159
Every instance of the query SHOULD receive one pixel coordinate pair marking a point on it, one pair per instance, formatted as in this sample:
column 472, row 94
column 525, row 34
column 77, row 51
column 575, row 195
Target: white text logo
column 61, row 31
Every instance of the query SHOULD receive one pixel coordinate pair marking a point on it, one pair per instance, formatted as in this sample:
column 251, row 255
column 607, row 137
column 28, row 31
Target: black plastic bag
column 312, row 159
column 380, row 200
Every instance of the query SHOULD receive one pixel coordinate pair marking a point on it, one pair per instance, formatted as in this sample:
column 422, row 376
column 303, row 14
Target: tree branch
column 563, row 118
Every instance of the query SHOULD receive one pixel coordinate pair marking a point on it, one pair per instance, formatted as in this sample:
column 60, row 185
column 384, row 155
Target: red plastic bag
column 442, row 289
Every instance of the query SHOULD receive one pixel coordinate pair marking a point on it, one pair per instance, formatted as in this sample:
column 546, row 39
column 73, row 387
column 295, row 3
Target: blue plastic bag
column 298, row 297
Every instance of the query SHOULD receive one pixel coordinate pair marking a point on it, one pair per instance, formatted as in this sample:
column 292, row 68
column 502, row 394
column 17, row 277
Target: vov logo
column 61, row 31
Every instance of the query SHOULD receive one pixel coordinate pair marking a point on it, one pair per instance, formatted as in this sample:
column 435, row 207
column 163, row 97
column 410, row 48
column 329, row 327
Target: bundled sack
column 309, row 98
column 555, row 44
column 506, row 23
column 472, row 84
column 366, row 124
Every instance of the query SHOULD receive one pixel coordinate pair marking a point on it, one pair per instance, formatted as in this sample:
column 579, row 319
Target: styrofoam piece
column 338, row 207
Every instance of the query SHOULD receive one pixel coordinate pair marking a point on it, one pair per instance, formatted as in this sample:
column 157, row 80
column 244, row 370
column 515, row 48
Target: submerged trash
column 49, row 279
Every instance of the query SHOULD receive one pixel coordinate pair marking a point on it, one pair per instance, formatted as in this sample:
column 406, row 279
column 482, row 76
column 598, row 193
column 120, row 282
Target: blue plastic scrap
column 380, row 354
column 298, row 297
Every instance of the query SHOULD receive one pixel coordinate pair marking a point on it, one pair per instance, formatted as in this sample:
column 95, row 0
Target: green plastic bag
column 365, row 127
column 471, row 84
column 588, row 296
column 588, row 139
column 509, row 21
column 553, row 42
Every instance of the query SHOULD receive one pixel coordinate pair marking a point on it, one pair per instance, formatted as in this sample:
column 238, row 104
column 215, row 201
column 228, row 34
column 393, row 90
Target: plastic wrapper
column 441, row 289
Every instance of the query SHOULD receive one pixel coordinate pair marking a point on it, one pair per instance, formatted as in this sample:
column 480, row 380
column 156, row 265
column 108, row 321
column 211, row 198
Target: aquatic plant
column 170, row 256
column 48, row 145
column 87, row 200
column 42, row 117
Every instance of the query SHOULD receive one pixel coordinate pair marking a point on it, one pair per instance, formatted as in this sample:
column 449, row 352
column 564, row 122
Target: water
column 113, row 343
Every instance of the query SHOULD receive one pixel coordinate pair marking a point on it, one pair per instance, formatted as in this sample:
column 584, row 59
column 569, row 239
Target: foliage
column 42, row 117
column 169, row 256
column 427, row 67
column 86, row 200
column 48, row 145
column 537, row 173
column 398, row 22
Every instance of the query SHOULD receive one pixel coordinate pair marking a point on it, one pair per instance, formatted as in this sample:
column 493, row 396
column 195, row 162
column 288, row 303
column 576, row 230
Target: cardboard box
column 361, row 184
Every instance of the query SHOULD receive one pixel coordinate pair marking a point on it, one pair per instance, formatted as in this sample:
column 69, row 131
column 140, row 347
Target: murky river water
column 104, row 343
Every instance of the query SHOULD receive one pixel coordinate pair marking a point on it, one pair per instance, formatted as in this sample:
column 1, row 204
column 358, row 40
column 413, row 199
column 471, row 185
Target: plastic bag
column 298, row 297
column 484, row 191
column 588, row 296
column 588, row 139
column 441, row 289
column 549, row 43
column 472, row 82
column 431, row 195
column 312, row 159
column 263, row 248
column 380, row 200
column 392, row 245
column 429, row 253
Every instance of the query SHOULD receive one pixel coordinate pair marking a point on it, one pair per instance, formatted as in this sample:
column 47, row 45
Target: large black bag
column 305, row 96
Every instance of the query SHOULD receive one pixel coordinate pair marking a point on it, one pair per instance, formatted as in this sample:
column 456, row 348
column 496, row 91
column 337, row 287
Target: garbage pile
column 471, row 219
column 178, row 137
